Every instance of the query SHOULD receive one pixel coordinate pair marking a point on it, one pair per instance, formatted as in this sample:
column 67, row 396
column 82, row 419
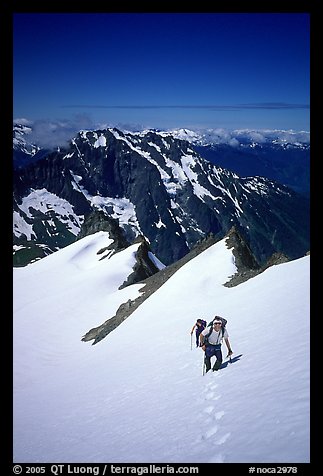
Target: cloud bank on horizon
column 51, row 134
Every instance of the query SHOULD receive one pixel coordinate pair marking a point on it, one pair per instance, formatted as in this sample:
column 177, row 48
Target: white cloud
column 51, row 134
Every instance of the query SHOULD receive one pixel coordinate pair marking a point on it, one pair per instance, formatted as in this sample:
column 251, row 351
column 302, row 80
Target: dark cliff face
column 158, row 187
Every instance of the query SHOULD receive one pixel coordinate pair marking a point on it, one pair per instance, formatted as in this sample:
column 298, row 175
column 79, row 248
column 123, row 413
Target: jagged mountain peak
column 158, row 186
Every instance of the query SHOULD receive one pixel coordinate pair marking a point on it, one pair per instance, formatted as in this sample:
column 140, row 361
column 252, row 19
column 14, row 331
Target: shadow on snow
column 230, row 361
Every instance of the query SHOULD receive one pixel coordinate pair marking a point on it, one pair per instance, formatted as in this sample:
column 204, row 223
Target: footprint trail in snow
column 211, row 417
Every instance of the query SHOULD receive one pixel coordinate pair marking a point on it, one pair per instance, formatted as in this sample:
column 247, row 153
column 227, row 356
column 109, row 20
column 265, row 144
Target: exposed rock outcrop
column 144, row 266
column 99, row 221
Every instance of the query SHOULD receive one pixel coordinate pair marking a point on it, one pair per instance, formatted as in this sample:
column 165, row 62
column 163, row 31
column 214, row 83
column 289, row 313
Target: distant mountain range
column 283, row 156
column 25, row 149
column 155, row 185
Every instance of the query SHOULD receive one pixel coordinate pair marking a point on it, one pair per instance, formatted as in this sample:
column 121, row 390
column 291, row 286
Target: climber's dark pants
column 209, row 352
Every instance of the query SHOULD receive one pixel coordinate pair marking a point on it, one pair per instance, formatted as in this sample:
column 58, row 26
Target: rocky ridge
column 156, row 186
column 247, row 267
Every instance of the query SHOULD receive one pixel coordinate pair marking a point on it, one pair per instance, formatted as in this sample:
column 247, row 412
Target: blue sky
column 163, row 70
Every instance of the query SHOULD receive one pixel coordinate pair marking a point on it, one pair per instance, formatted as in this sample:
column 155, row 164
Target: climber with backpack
column 199, row 326
column 211, row 339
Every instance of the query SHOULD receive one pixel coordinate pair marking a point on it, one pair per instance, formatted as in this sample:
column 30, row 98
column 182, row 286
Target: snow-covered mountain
column 139, row 395
column 25, row 148
column 283, row 156
column 156, row 186
column 244, row 137
column 20, row 139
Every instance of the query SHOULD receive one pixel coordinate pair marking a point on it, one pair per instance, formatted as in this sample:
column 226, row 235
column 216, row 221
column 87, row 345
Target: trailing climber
column 199, row 326
column 211, row 339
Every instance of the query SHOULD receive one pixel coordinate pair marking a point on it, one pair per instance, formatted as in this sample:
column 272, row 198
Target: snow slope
column 139, row 395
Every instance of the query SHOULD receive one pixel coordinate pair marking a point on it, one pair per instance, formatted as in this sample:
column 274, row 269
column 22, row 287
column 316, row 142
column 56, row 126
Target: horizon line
column 269, row 105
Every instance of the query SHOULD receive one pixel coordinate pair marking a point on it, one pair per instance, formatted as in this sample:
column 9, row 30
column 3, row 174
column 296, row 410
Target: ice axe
column 203, row 365
column 229, row 355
